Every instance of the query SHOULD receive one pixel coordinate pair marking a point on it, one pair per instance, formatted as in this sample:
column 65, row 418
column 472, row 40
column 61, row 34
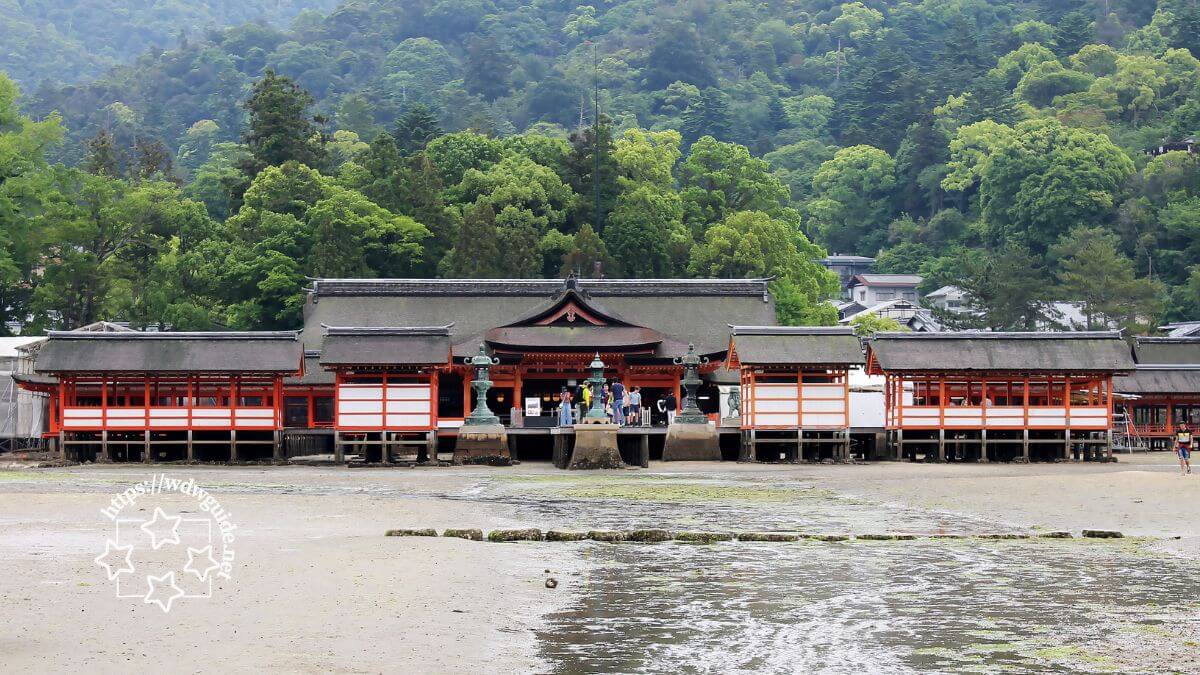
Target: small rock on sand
column 524, row 534
column 407, row 532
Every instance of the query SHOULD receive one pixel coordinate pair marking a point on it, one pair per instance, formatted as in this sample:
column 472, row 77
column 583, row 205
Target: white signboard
column 533, row 406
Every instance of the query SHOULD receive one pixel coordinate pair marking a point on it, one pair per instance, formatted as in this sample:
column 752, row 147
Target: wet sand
column 317, row 588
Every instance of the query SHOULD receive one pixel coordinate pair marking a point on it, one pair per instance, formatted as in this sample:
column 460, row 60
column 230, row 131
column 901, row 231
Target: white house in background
column 874, row 289
column 907, row 314
column 1061, row 315
column 948, row 299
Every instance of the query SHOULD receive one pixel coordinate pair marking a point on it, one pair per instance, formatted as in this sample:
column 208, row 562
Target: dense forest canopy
column 73, row 40
column 998, row 145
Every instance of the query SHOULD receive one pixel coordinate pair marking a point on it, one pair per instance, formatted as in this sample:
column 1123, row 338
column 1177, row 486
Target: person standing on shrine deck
column 618, row 403
column 1183, row 448
column 564, row 408
column 668, row 405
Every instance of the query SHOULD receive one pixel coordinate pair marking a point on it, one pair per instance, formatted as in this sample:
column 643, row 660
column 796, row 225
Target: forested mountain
column 72, row 40
column 1000, row 145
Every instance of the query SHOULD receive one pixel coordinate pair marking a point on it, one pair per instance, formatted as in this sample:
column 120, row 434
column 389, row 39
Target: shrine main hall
column 382, row 372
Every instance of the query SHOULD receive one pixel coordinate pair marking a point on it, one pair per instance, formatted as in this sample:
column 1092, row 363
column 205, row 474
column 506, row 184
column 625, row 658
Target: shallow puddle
column 917, row 606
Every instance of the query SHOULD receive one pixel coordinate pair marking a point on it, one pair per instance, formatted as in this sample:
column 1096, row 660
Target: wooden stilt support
column 644, row 451
column 62, row 446
column 1025, row 444
column 899, row 441
column 233, row 449
column 512, row 447
column 431, row 447
column 1108, row 445
column 983, row 446
column 339, row 452
column 191, row 450
column 147, row 455
column 941, row 445
column 1066, row 445
column 799, row 457
column 559, row 449
column 385, row 447
column 277, row 447
column 104, row 443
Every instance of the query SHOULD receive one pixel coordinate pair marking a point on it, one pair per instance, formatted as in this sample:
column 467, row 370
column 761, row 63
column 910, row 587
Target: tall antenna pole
column 596, row 135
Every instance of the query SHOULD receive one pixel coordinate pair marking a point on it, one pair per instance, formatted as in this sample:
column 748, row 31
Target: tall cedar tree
column 708, row 116
column 488, row 68
column 281, row 128
column 415, row 128
column 581, row 169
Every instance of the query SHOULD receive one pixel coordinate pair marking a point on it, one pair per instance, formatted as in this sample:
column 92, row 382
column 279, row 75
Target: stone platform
column 596, row 447
column 691, row 443
column 482, row 444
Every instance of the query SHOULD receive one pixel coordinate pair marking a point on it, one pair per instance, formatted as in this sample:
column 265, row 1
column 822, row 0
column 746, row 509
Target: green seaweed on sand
column 688, row 492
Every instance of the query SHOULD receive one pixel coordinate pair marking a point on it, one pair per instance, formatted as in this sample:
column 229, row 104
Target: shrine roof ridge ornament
column 790, row 330
column 539, row 287
column 180, row 335
column 986, row 335
column 388, row 330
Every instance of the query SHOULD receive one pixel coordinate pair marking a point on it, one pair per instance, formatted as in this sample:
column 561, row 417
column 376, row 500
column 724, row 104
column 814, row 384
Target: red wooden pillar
column 233, row 401
column 434, row 379
column 146, row 400
column 278, row 395
column 466, row 382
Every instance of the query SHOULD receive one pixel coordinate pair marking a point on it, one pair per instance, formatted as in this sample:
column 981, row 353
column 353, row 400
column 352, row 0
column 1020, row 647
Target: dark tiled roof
column 386, row 346
column 796, row 345
column 133, row 352
column 537, row 287
column 314, row 374
column 1159, row 380
column 1012, row 352
column 1179, row 350
column 573, row 338
column 474, row 307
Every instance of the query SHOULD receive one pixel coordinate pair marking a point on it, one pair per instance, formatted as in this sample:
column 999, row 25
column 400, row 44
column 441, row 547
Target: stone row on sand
column 657, row 535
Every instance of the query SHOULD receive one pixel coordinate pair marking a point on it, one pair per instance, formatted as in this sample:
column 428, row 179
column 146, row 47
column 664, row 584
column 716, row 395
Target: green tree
column 867, row 325
column 1006, row 289
column 1093, row 272
column 281, row 128
column 854, row 199
column 722, row 178
column 1047, row 177
column 753, row 244
column 588, row 253
column 708, row 116
column 416, row 128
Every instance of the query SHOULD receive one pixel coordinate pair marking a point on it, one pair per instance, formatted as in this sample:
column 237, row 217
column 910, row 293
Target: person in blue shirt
column 618, row 403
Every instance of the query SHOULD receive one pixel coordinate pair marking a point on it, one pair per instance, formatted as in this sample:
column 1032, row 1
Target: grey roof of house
column 1011, row 352
column 796, row 345
column 134, row 352
column 889, row 279
column 1159, row 380
column 1170, row 350
column 685, row 309
column 385, row 346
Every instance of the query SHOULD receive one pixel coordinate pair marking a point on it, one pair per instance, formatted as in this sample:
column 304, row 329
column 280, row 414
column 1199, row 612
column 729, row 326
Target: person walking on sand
column 1183, row 448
